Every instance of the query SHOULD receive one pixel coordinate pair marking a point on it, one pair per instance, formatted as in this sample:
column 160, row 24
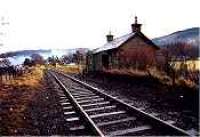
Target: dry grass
column 124, row 71
column 188, row 83
column 31, row 79
column 161, row 76
column 73, row 69
column 192, row 65
column 15, row 96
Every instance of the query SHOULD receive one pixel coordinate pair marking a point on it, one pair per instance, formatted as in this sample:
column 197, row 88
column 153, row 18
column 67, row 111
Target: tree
column 50, row 60
column 5, row 62
column 78, row 57
column 66, row 59
column 176, row 52
column 28, row 62
column 53, row 60
column 37, row 59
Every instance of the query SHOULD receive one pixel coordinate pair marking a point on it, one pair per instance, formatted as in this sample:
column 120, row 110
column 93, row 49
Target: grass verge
column 15, row 96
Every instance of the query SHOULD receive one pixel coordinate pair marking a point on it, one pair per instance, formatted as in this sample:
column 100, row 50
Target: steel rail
column 79, row 109
column 156, row 122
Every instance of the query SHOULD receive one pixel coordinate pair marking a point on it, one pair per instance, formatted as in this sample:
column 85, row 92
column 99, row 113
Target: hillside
column 189, row 36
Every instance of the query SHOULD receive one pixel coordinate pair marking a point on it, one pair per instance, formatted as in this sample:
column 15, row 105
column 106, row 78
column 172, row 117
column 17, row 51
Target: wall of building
column 97, row 61
column 135, row 53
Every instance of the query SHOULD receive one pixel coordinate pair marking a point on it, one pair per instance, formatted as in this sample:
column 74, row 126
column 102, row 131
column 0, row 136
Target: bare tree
column 53, row 60
column 66, row 59
column 177, row 52
column 78, row 57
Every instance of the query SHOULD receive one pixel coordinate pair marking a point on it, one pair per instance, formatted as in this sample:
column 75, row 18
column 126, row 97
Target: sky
column 57, row 24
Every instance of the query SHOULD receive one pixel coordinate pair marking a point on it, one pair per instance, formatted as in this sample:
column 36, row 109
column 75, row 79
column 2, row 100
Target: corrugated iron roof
column 114, row 44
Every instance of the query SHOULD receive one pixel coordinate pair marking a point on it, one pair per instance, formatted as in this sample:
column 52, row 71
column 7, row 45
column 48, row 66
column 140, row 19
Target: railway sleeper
column 69, row 112
column 67, row 108
column 99, row 111
column 76, row 128
column 79, row 94
column 107, row 114
column 83, row 98
column 90, row 100
column 100, row 108
column 80, row 127
column 98, row 104
column 108, row 123
column 129, row 130
column 112, row 118
column 64, row 101
column 79, row 91
column 61, row 94
column 121, row 125
column 63, row 97
column 72, row 119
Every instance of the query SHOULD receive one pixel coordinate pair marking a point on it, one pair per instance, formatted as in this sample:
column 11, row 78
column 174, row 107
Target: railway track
column 89, row 111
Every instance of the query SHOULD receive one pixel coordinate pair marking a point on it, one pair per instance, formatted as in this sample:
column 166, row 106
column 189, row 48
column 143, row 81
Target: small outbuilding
column 133, row 50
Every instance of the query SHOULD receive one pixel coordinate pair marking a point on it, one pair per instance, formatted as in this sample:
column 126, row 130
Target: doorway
column 105, row 61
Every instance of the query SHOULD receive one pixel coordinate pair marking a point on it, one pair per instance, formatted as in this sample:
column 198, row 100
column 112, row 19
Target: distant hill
column 18, row 57
column 189, row 36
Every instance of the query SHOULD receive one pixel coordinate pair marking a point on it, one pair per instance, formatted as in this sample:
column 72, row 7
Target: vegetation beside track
column 71, row 69
column 15, row 96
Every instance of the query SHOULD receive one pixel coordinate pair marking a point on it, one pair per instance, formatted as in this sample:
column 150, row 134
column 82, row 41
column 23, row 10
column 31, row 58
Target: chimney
column 109, row 37
column 136, row 27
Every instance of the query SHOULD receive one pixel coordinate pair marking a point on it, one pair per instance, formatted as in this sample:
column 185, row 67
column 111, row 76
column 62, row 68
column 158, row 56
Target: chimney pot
column 109, row 37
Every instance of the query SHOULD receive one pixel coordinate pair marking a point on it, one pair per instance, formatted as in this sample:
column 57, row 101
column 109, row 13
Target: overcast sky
column 45, row 24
